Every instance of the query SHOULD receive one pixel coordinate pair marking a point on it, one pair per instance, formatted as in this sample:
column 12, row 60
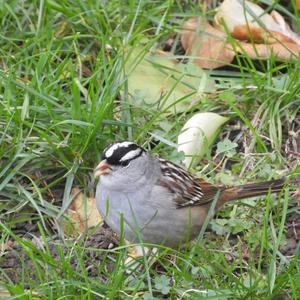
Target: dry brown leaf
column 83, row 212
column 6, row 294
column 298, row 4
column 60, row 28
column 258, row 35
column 288, row 51
column 207, row 43
column 286, row 34
column 6, row 246
column 297, row 194
column 250, row 22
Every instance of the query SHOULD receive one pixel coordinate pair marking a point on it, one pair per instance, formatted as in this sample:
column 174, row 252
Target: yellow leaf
column 159, row 82
column 83, row 212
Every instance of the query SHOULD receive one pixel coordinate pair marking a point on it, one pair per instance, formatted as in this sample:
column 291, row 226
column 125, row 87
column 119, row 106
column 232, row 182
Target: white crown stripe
column 131, row 154
column 114, row 147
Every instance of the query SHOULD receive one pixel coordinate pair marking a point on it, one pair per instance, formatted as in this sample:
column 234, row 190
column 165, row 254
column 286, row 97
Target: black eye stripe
column 127, row 161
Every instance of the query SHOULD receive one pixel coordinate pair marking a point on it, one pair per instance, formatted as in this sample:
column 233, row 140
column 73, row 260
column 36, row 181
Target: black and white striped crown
column 121, row 153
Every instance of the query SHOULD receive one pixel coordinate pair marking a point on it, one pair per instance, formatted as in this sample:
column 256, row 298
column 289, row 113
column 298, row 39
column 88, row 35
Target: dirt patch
column 292, row 243
column 15, row 259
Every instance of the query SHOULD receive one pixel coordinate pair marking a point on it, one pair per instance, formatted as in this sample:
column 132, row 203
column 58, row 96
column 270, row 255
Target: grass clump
column 64, row 97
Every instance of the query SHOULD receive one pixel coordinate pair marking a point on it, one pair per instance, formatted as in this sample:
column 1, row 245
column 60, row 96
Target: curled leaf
column 206, row 43
column 250, row 22
column 198, row 134
column 209, row 48
column 288, row 51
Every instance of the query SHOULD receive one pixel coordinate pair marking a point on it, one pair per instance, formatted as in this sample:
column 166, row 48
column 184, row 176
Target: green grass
column 61, row 77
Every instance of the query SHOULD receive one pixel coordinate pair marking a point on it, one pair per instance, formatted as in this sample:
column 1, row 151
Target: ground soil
column 14, row 259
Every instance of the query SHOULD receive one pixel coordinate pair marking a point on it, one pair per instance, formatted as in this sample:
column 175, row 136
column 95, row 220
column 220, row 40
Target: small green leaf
column 162, row 283
column 225, row 178
column 226, row 146
column 219, row 226
column 148, row 296
column 195, row 270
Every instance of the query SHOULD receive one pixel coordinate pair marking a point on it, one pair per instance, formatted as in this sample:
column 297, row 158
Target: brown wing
column 192, row 191
column 187, row 190
column 209, row 190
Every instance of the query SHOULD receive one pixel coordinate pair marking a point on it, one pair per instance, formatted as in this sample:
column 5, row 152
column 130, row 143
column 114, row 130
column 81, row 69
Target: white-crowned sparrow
column 156, row 200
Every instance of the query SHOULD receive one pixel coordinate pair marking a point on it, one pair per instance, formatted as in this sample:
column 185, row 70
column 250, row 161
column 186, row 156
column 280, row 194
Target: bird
column 155, row 201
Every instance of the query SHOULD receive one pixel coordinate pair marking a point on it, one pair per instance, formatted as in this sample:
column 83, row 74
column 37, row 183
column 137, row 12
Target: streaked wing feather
column 187, row 190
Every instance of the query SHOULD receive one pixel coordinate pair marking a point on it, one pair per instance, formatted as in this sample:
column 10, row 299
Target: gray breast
column 146, row 210
column 150, row 217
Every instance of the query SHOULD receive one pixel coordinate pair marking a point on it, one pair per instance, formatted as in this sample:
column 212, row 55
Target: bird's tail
column 255, row 189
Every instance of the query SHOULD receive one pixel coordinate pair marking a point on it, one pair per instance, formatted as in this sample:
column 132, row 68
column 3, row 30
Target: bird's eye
column 125, row 163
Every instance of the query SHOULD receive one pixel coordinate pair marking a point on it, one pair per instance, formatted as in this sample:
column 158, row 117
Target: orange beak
column 102, row 168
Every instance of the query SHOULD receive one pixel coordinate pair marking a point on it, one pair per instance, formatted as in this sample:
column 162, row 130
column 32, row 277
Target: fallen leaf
column 209, row 49
column 298, row 4
column 158, row 81
column 226, row 146
column 6, row 294
column 250, row 22
column 297, row 194
column 208, row 44
column 288, row 51
column 163, row 284
column 258, row 35
column 60, row 29
column 197, row 134
column 245, row 252
column 82, row 212
column 6, row 246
